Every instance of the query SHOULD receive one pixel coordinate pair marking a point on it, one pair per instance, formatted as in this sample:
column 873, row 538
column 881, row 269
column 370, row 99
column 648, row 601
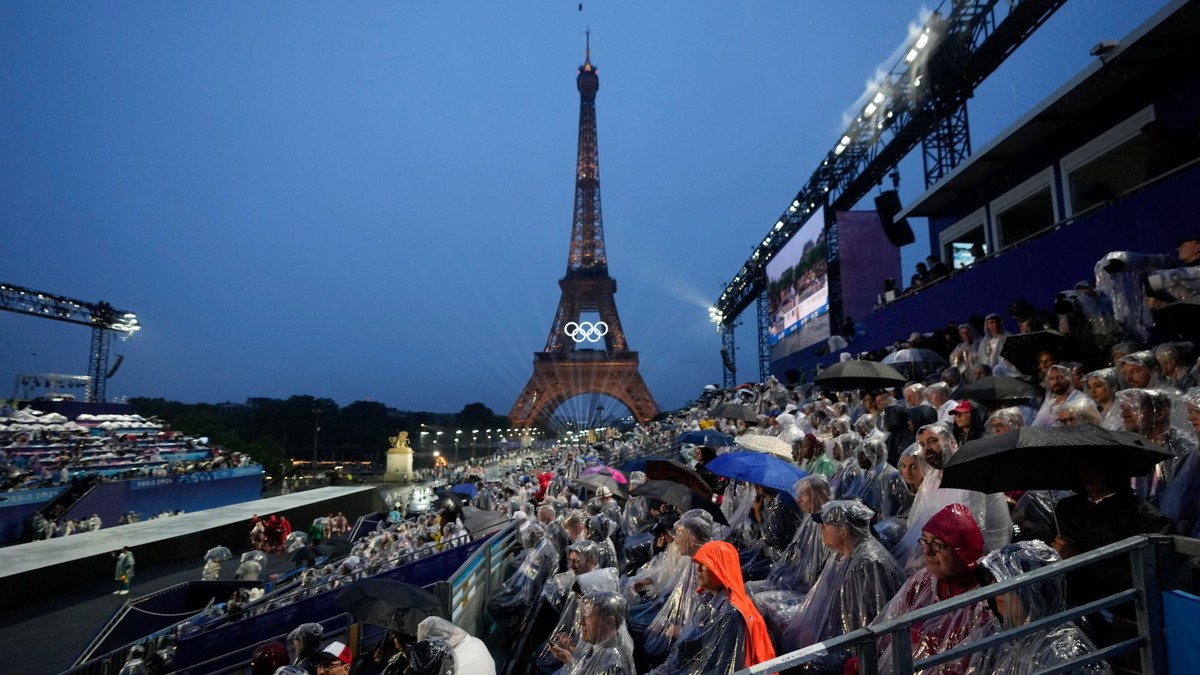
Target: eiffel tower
column 567, row 367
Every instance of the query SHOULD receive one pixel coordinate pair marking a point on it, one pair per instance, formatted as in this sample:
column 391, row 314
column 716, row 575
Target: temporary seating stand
column 1155, row 561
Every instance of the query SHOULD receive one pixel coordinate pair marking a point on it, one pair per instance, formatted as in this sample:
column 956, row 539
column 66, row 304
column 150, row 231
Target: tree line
column 274, row 431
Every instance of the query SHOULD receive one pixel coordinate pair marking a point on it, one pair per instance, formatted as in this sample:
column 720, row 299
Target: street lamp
column 457, row 433
column 474, row 437
column 316, row 434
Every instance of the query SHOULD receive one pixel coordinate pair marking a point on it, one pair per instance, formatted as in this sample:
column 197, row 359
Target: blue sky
column 372, row 200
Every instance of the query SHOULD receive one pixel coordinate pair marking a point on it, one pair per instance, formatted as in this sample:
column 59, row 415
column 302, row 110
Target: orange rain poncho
column 721, row 558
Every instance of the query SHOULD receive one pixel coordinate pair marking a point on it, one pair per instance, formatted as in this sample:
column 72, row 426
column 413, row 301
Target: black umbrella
column 303, row 555
column 677, row 472
column 480, row 522
column 448, row 500
column 735, row 411
column 1179, row 320
column 679, row 496
column 859, row 375
column 394, row 605
column 1044, row 458
column 595, row 480
column 996, row 389
column 1022, row 350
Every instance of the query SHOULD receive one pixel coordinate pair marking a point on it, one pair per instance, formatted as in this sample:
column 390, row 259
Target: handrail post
column 868, row 657
column 902, row 657
column 1148, row 581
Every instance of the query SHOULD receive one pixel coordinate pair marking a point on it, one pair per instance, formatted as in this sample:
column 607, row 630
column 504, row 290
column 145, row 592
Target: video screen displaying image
column 798, row 291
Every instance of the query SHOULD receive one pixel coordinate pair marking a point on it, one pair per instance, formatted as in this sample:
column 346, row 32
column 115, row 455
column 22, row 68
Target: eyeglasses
column 932, row 546
column 1065, row 421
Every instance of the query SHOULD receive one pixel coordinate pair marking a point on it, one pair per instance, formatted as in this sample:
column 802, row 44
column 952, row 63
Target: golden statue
column 399, row 444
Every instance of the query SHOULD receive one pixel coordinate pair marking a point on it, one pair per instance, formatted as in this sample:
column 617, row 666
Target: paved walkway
column 51, row 634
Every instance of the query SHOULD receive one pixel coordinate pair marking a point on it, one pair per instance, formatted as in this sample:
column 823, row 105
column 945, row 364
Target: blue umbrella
column 467, row 490
column 758, row 468
column 713, row 439
column 638, row 464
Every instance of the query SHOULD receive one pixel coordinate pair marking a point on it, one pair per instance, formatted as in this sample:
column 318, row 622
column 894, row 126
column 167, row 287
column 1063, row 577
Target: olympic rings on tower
column 586, row 330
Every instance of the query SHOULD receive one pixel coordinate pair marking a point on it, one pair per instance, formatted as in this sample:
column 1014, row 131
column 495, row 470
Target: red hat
column 333, row 652
column 957, row 527
column 963, row 406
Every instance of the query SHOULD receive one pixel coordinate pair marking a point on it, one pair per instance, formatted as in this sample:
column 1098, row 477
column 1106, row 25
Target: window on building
column 1109, row 165
column 1025, row 218
column 965, row 241
column 1025, row 210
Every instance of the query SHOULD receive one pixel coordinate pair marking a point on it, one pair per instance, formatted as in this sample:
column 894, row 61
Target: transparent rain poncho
column 848, row 472
column 431, row 656
column 957, row 528
column 603, row 649
column 600, row 530
column 880, row 487
column 554, row 593
column 1175, row 372
column 692, row 531
column 718, row 637
column 851, row 589
column 637, row 510
column 989, row 510
column 1180, row 499
column 1124, row 285
column 645, row 583
column 567, row 631
column 780, row 517
column 295, row 541
column 890, row 531
column 801, row 561
column 1152, row 414
column 1139, row 370
column 469, row 652
column 512, row 601
column 211, row 571
column 1042, row 649
column 1107, row 380
column 965, row 355
column 248, row 571
column 309, row 637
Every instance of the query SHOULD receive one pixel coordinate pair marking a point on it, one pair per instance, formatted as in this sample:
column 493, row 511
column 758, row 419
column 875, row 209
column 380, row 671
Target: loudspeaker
column 887, row 204
column 727, row 360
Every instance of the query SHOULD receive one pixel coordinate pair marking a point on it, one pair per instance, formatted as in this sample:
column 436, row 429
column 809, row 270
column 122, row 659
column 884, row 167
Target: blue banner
column 24, row 497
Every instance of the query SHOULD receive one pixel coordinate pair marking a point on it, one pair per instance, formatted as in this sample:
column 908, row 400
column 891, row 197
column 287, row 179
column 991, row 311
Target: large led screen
column 798, row 291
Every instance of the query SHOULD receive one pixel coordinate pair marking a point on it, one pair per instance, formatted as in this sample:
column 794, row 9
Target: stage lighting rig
column 101, row 317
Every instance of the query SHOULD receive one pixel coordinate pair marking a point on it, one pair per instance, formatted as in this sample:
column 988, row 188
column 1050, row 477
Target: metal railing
column 467, row 590
column 1153, row 561
column 464, row 594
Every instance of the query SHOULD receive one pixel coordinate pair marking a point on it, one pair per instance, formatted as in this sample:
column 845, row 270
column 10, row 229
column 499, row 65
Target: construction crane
column 103, row 318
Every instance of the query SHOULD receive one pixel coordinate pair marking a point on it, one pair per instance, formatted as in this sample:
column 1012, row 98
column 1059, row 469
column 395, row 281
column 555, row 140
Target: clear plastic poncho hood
column 848, row 594
column 1043, row 649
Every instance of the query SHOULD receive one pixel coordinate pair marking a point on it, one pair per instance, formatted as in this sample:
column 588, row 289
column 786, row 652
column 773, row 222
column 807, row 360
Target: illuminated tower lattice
column 569, row 366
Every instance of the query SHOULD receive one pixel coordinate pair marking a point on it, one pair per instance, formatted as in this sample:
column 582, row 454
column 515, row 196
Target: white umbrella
column 770, row 445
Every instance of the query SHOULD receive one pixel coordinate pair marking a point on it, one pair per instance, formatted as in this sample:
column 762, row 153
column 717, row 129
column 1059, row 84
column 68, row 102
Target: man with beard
column 1059, row 391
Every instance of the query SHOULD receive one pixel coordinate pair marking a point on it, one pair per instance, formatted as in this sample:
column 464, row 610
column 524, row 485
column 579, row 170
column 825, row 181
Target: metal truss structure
column 921, row 100
column 101, row 317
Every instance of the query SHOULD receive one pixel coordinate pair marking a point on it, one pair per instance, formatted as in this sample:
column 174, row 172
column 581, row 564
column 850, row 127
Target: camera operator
column 1086, row 313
